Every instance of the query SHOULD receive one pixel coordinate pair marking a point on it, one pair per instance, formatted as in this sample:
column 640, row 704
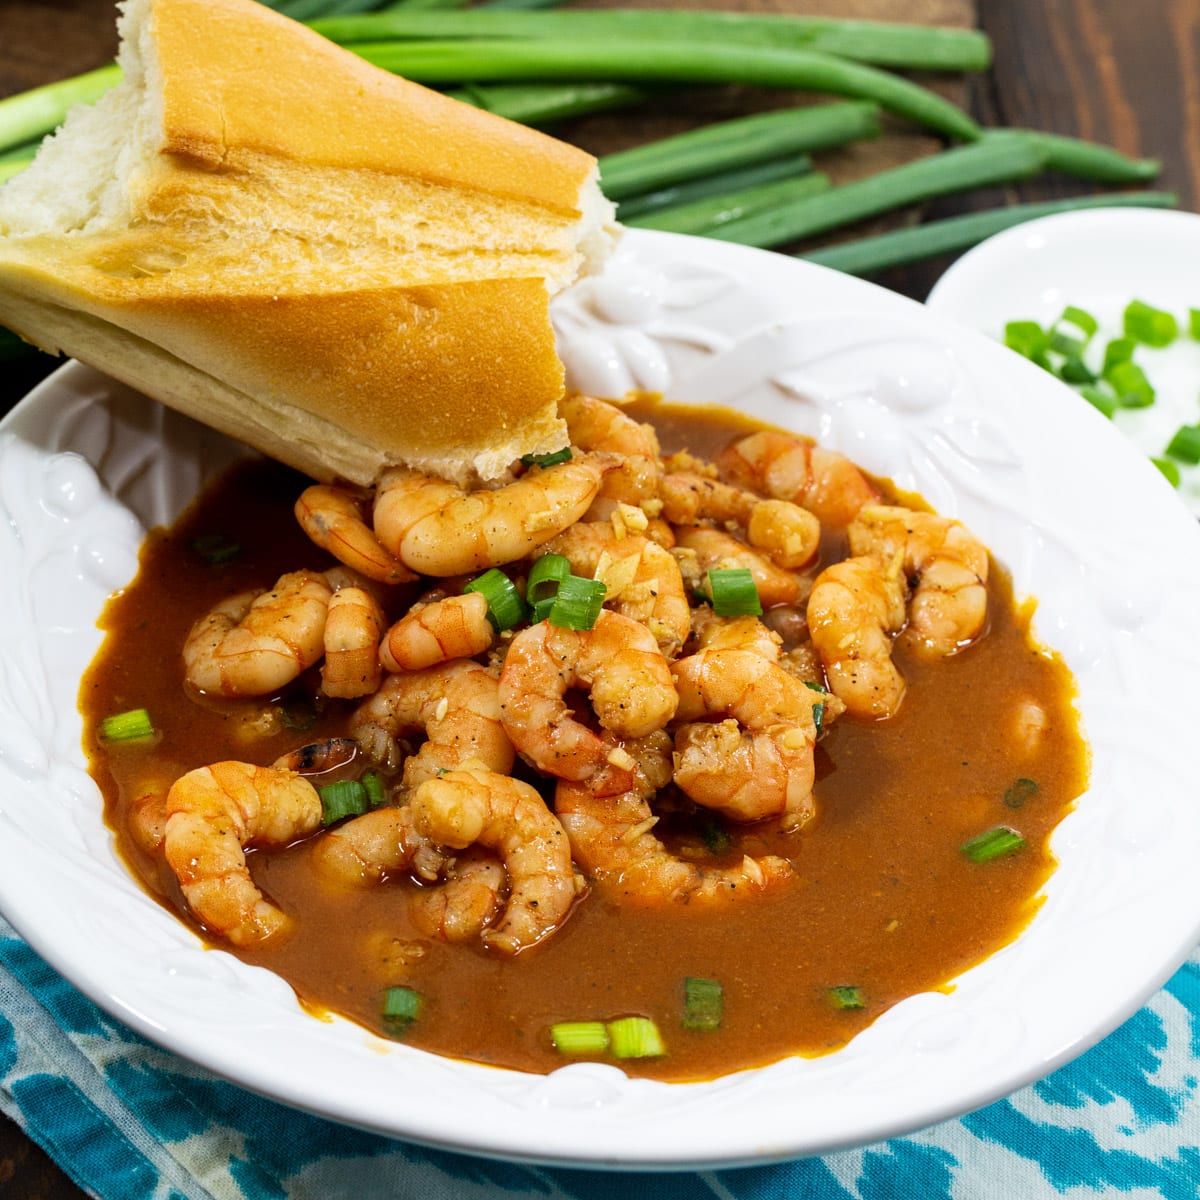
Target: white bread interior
column 340, row 267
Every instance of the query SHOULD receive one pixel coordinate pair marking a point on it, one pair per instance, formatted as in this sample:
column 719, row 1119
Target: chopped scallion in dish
column 734, row 592
column 847, row 997
column 505, row 606
column 635, row 1037
column 993, row 844
column 703, row 1003
column 1153, row 326
column 577, row 604
column 132, row 726
column 547, row 460
column 346, row 798
column 580, row 1037
column 401, row 1007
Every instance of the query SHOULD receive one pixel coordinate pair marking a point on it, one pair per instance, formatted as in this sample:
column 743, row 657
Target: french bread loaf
column 343, row 269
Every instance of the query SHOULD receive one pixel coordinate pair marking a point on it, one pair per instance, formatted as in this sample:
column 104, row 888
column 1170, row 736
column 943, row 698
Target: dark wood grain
column 1123, row 73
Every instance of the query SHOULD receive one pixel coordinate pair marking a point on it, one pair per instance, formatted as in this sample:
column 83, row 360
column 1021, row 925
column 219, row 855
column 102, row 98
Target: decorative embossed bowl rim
column 1086, row 526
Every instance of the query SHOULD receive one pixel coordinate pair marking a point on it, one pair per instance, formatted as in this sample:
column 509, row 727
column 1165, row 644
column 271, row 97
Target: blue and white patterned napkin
column 128, row 1121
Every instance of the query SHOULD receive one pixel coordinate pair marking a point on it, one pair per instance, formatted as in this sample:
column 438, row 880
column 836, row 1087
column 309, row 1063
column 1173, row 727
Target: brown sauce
column 884, row 900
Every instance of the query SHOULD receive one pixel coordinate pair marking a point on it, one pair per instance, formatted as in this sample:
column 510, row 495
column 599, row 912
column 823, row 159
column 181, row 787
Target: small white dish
column 1084, row 524
column 1098, row 260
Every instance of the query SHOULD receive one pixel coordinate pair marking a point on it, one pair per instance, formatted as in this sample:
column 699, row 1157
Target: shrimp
column 786, row 467
column 626, row 675
column 256, row 642
column 612, row 839
column 714, row 549
column 786, row 533
column 213, row 813
column 436, row 528
column 333, row 518
column 452, row 627
column 948, row 607
column 354, row 625
column 596, row 425
column 642, row 578
column 759, row 762
column 855, row 605
column 465, row 903
column 477, row 807
column 367, row 849
column 456, row 704
column 735, row 633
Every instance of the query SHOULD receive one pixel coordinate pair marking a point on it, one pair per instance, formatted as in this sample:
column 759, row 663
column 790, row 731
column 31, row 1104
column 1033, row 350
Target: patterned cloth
column 128, row 1121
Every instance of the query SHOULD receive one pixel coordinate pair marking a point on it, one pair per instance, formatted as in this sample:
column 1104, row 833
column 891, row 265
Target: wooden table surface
column 1121, row 73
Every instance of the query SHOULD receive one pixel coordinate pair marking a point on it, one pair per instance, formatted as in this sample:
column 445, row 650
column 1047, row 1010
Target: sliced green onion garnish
column 1119, row 350
column 347, row 798
column 298, row 713
column 505, row 606
column 216, row 548
column 1185, row 444
column 577, row 604
column 1028, row 338
column 1150, row 325
column 713, row 833
column 703, row 1003
column 401, row 1006
column 132, row 726
column 580, row 1037
column 372, row 783
column 1019, row 792
column 995, row 843
column 1132, row 387
column 847, row 997
column 1098, row 398
column 818, row 708
column 547, row 460
column 1082, row 320
column 545, row 575
column 1194, row 323
column 635, row 1037
column 1169, row 468
column 734, row 592
column 1065, row 343
column 1075, row 370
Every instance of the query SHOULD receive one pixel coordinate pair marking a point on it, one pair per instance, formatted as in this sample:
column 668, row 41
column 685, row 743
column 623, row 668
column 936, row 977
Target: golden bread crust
column 266, row 84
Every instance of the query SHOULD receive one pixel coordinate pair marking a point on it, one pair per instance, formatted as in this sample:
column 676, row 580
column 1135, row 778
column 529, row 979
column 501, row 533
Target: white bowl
column 1082, row 521
column 1098, row 260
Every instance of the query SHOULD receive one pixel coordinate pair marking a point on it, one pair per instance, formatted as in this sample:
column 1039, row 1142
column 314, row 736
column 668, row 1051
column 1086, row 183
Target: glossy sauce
column 884, row 900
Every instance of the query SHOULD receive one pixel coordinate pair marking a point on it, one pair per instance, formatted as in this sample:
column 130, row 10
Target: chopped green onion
column 1083, row 321
column 1185, row 445
column 216, row 548
column 1194, row 323
column 713, row 833
column 580, row 1037
column 372, row 783
column 994, row 843
column 1075, row 370
column 547, row 460
column 847, row 997
column 1064, row 343
column 1098, row 398
column 577, row 603
column 1132, row 387
column 703, row 1003
column 1150, row 325
column 818, row 709
column 1119, row 350
column 346, row 798
column 734, row 592
column 545, row 575
column 635, row 1037
column 401, row 1006
column 505, row 606
column 1169, row 469
column 1028, row 339
column 1019, row 792
column 132, row 726
column 298, row 714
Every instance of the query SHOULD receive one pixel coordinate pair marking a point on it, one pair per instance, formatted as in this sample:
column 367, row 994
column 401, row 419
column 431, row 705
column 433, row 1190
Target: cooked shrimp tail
column 334, row 519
